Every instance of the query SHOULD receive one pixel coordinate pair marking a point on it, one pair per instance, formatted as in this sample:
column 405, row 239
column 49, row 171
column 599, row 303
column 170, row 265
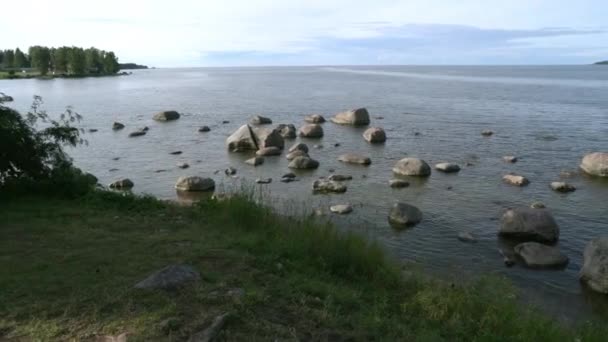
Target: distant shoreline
column 601, row 63
column 4, row 75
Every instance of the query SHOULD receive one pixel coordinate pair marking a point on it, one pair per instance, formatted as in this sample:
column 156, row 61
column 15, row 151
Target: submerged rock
column 412, row 167
column 595, row 164
column 487, row 133
column 562, row 187
column 398, row 183
column 327, row 186
column 287, row 131
column 297, row 153
column 303, row 163
column 263, row 180
column 255, row 161
column 510, row 159
column 195, row 183
column 515, row 180
column 374, row 135
column 537, row 205
column 124, row 183
column 117, row 126
column 339, row 178
column 355, row 117
column 137, row 133
column 175, row 152
column 447, row 167
column 269, row 151
column 529, row 224
column 341, row 209
column 299, row 147
column 404, row 215
column 230, row 171
column 171, row 277
column 352, row 158
column 260, row 120
column 204, row 129
column 183, row 165
column 168, row 115
column 314, row 118
column 538, row 255
column 466, row 237
column 594, row 272
column 311, row 131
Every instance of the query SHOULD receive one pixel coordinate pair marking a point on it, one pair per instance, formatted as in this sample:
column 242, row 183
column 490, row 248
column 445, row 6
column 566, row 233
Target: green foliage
column 8, row 60
column 110, row 63
column 40, row 58
column 76, row 61
column 20, row 60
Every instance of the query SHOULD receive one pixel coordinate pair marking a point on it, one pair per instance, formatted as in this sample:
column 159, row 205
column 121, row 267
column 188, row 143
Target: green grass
column 69, row 266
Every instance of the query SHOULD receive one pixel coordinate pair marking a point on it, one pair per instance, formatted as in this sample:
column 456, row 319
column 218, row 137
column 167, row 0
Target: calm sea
column 547, row 116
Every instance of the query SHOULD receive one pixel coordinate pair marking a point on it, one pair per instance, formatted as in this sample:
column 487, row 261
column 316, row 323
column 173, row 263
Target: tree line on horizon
column 63, row 60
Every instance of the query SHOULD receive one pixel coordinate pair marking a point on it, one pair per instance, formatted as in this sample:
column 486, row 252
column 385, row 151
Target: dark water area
column 547, row 116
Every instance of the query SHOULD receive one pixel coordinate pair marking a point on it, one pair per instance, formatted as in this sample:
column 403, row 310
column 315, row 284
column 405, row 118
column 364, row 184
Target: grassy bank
column 69, row 267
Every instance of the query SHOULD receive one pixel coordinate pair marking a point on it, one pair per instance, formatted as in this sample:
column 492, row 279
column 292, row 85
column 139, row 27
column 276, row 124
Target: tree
column 1, row 57
column 40, row 57
column 20, row 61
column 110, row 63
column 8, row 61
column 60, row 59
column 93, row 61
column 76, row 61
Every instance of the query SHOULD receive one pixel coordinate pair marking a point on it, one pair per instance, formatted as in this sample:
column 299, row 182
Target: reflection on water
column 548, row 117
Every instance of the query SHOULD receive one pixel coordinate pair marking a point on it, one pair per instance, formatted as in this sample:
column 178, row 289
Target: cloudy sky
column 180, row 33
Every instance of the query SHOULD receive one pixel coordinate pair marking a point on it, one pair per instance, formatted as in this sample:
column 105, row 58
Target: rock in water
column 195, row 183
column 166, row 116
column 311, row 131
column 412, row 167
column 466, row 237
column 125, row 183
column 248, row 138
column 287, row 131
column 299, row 147
column 538, row 255
column 352, row 158
column 303, row 163
column 596, row 164
column 447, row 167
column 204, row 129
column 562, row 187
column 183, row 165
column 487, row 133
column 255, row 161
column 260, row 120
column 594, row 272
column 537, row 205
column 293, row 155
column 263, row 180
column 404, row 215
column 171, row 277
column 269, row 151
column 340, row 178
column 175, row 152
column 137, row 133
column 326, row 186
column 341, row 209
column 374, row 135
column 515, row 180
column 355, row 117
column 117, row 126
column 529, row 224
column 314, row 118
column 510, row 159
column 230, row 171
column 398, row 183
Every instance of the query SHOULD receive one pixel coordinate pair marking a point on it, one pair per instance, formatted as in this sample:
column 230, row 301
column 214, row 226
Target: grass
column 69, row 266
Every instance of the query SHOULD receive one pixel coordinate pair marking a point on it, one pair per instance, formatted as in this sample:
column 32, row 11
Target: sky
column 191, row 33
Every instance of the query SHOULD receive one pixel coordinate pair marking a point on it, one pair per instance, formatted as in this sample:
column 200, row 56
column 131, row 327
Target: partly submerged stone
column 529, row 224
column 124, row 183
column 538, row 255
column 374, row 135
column 194, row 183
column 404, row 215
column 355, row 117
column 595, row 164
column 412, row 167
column 168, row 115
column 594, row 272
column 352, row 158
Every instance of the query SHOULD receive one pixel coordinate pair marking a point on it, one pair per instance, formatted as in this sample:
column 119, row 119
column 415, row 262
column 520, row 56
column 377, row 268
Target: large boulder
column 248, row 138
column 287, row 131
column 303, row 163
column 374, row 135
column 412, row 167
column 311, row 131
column 171, row 277
column 260, row 120
column 352, row 158
column 314, row 118
column 404, row 215
column 168, row 115
column 538, row 255
column 355, row 117
column 327, row 186
column 594, row 272
column 124, row 183
column 596, row 164
column 195, row 183
column 529, row 224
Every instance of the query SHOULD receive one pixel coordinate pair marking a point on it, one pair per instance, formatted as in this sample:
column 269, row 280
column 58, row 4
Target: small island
column 131, row 66
column 601, row 63
column 62, row 62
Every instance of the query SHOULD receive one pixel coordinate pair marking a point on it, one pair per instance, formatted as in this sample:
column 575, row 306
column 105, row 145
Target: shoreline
column 17, row 76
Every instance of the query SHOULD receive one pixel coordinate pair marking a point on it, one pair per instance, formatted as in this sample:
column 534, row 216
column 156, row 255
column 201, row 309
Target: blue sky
column 181, row 33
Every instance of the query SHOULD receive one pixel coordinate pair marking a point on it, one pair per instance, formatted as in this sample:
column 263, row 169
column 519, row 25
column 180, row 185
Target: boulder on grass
column 537, row 255
column 404, row 215
column 596, row 164
column 374, row 135
column 168, row 115
column 195, row 183
column 171, row 277
column 412, row 167
column 354, row 117
column 529, row 224
column 594, row 272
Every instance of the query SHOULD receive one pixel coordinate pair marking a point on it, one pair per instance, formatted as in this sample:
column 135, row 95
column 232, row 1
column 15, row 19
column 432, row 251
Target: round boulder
column 255, row 161
column 355, row 117
column 562, row 187
column 374, row 135
column 124, row 183
column 447, row 167
column 168, row 115
column 311, row 131
column 195, row 183
column 594, row 272
column 117, row 126
column 596, row 164
column 515, row 180
column 297, row 153
column 398, row 183
column 287, row 131
column 341, row 209
column 412, row 167
column 204, row 129
column 352, row 158
column 537, row 255
column 327, row 186
column 299, row 147
column 404, row 215
column 314, row 118
column 529, row 224
column 303, row 163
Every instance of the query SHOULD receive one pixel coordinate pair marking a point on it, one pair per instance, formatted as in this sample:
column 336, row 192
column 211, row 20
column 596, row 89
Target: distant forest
column 66, row 60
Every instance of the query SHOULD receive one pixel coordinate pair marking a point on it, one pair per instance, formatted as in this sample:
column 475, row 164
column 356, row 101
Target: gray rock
column 412, row 167
column 230, row 171
column 288, row 179
column 93, row 130
column 124, row 183
column 327, row 186
column 299, row 147
column 269, row 151
column 314, row 118
column 404, row 215
column 352, row 158
column 529, row 224
column 487, row 132
column 537, row 205
column 255, row 161
column 340, row 178
column 466, row 237
column 341, row 209
column 137, row 133
column 117, row 126
column 263, row 180
column 289, row 175
column 297, row 153
column 247, row 138
column 398, row 183
column 510, row 159
column 183, row 165
column 303, row 163
column 194, row 183
column 594, row 272
column 145, row 129
column 515, row 180
column 204, row 129
column 287, row 131
column 447, row 167
column 175, row 152
column 374, row 135
column 5, row 98
column 538, row 255
column 318, row 146
column 595, row 164
column 168, row 115
column 260, row 120
column 562, row 187
column 311, row 131
column 355, row 117
column 171, row 277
